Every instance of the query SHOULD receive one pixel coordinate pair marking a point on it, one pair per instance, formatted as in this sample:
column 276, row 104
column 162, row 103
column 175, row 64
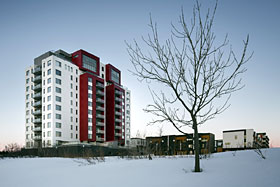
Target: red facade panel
column 109, row 67
column 84, row 107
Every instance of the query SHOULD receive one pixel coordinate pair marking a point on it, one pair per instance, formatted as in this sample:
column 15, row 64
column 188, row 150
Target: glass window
column 89, row 136
column 71, row 77
column 27, row 80
column 49, row 107
column 90, row 112
column 89, row 63
column 49, row 89
column 71, row 94
column 27, row 88
column 89, row 119
column 58, row 90
column 115, row 76
column 49, row 115
column 57, row 134
column 58, row 99
column 89, row 103
column 57, row 116
column 58, row 81
column 49, row 62
column 58, row 107
column 57, row 72
column 49, row 134
column 49, row 98
column 89, row 87
column 27, row 96
column 27, row 72
column 58, row 64
column 49, row 71
column 89, row 79
column 58, row 125
column 71, row 85
column 49, row 80
column 89, row 95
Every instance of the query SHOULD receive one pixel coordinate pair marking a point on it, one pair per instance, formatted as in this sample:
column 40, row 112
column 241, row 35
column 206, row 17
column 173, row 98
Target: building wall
column 238, row 139
column 127, row 112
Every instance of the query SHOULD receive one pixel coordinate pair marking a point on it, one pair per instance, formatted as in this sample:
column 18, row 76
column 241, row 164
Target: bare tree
column 195, row 70
column 160, row 130
column 12, row 147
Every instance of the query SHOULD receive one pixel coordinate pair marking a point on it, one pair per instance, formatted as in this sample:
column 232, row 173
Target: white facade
column 127, row 112
column 238, row 139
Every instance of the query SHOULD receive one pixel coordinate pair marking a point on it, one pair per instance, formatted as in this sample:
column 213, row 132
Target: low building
column 218, row 146
column 239, row 139
column 180, row 144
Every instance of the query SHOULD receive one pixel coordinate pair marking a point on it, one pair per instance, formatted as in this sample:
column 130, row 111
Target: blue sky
column 30, row 28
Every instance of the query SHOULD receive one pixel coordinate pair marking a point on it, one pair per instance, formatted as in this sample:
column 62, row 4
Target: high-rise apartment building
column 75, row 98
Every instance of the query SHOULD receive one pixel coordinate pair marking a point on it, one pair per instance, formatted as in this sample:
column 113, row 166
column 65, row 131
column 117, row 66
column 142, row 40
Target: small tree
column 195, row 70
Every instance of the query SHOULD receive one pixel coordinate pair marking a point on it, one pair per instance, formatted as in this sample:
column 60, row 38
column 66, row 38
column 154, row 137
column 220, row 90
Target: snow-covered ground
column 246, row 169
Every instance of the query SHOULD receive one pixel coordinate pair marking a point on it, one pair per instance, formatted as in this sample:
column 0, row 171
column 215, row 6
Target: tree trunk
column 196, row 147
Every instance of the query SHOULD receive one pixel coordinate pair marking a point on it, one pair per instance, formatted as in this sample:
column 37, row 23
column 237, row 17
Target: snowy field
column 246, row 169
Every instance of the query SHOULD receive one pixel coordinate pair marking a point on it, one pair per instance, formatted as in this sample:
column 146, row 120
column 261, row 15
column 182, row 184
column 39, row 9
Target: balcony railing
column 37, row 112
column 118, row 113
column 118, row 134
column 37, row 129
column 99, row 123
column 38, row 103
column 118, row 99
column 118, row 106
column 118, row 92
column 118, row 127
column 100, row 116
column 99, row 85
column 118, row 120
column 100, row 131
column 100, row 108
column 37, row 70
column 38, row 78
column 38, row 120
column 37, row 87
column 37, row 95
column 37, row 137
column 98, row 92
column 99, row 100
column 99, row 139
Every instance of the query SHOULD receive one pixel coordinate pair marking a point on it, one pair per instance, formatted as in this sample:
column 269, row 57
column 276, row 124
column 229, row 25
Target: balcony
column 99, row 139
column 37, row 79
column 100, row 108
column 117, row 92
column 118, row 99
column 37, row 87
column 37, row 71
column 99, row 85
column 37, row 95
column 98, row 92
column 118, row 106
column 37, row 112
column 37, row 137
column 100, row 116
column 98, row 100
column 118, row 127
column 118, row 134
column 118, row 120
column 38, row 103
column 37, row 129
column 118, row 113
column 37, row 120
column 100, row 124
column 99, row 131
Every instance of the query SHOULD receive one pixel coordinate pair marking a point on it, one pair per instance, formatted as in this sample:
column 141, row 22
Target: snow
column 244, row 168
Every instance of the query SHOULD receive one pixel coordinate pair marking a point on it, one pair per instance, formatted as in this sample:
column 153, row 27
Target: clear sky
column 30, row 28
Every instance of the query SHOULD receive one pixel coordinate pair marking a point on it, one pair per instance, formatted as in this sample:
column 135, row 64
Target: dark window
column 57, row 72
column 89, row 63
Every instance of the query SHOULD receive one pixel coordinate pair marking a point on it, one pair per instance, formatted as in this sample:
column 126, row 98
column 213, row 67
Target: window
column 58, row 64
column 90, row 112
column 49, row 125
column 71, row 69
column 27, row 88
column 89, row 119
column 71, row 110
column 27, row 80
column 57, row 72
column 89, row 63
column 90, row 128
column 58, row 81
column 27, row 112
column 76, row 79
column 89, row 79
column 49, row 107
column 76, row 128
column 49, row 98
column 49, row 71
column 89, row 136
column 71, row 102
column 58, row 90
column 49, row 62
column 71, row 94
column 57, row 116
column 27, row 96
column 76, row 71
column 49, row 89
column 49, row 115
column 58, row 125
column 58, row 134
column 27, row 104
column 102, row 68
column 71, row 127
column 89, row 87
column 27, row 72
column 49, row 134
column 71, row 119
column 58, row 107
column 71, row 77
column 49, row 80
column 71, row 85
column 76, row 136
column 58, row 99
column 89, row 95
